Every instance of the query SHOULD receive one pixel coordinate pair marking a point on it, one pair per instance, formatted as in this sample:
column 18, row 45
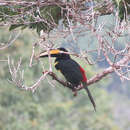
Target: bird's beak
column 52, row 53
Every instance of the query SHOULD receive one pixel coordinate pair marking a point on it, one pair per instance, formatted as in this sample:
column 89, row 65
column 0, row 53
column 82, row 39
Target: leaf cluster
column 34, row 17
column 123, row 6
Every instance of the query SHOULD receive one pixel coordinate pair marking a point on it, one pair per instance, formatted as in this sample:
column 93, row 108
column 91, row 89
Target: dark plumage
column 71, row 70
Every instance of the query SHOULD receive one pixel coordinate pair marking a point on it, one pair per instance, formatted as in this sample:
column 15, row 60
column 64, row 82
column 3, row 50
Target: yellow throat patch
column 56, row 63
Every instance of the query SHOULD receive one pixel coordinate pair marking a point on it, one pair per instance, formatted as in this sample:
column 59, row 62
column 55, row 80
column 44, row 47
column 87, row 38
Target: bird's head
column 58, row 53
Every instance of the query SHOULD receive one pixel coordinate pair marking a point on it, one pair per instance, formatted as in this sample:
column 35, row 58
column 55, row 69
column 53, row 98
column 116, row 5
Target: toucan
column 70, row 69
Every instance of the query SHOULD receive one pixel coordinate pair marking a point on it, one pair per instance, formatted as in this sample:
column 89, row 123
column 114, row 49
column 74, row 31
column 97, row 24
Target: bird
column 71, row 70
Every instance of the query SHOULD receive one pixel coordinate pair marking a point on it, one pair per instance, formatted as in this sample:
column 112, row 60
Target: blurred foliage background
column 55, row 107
column 49, row 107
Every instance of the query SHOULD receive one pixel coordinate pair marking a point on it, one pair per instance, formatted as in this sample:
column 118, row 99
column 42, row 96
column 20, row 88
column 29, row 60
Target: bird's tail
column 89, row 95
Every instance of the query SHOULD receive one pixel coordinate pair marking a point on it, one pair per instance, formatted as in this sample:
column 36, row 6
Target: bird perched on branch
column 71, row 70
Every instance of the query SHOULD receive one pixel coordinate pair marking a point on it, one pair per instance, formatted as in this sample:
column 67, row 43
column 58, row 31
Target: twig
column 17, row 77
column 32, row 56
column 11, row 41
column 98, row 76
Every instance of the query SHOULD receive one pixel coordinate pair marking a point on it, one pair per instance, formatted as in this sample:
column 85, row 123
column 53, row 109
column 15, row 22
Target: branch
column 66, row 84
column 11, row 41
column 17, row 76
column 115, row 67
column 91, row 81
column 99, row 76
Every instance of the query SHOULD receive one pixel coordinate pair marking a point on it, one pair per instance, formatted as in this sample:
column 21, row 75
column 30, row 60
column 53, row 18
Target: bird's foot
column 74, row 92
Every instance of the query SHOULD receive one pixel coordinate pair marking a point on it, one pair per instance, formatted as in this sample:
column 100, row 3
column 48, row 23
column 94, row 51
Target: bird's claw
column 74, row 92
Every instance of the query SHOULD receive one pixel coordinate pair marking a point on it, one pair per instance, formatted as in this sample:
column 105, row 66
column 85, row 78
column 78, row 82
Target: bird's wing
column 71, row 70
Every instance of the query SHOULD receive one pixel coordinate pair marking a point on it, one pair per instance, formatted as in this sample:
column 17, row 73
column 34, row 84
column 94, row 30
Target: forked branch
column 17, row 74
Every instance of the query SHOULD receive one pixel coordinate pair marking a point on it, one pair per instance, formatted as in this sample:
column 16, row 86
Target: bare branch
column 98, row 76
column 79, row 21
column 11, row 41
column 33, row 55
column 17, row 76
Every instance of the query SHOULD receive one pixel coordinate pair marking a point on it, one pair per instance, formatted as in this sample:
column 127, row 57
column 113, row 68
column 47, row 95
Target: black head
column 58, row 53
column 63, row 54
column 62, row 49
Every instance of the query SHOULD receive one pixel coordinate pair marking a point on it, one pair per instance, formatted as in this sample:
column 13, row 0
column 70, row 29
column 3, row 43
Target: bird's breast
column 70, row 69
column 56, row 64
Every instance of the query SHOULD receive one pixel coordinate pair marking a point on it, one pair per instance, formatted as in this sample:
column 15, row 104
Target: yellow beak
column 51, row 52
